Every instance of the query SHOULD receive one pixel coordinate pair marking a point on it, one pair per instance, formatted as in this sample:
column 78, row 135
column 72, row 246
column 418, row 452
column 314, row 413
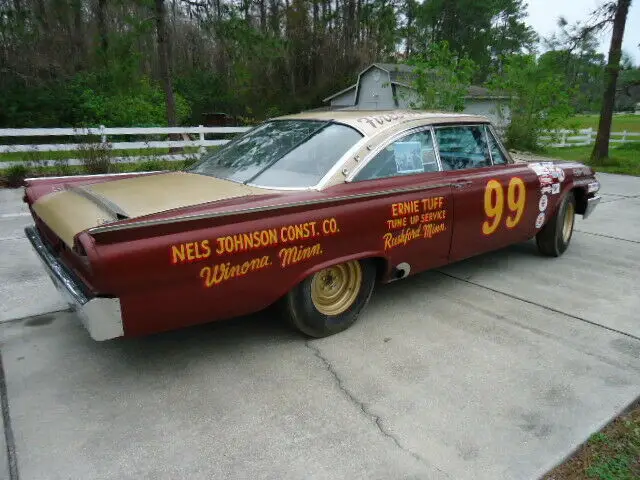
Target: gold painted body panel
column 68, row 212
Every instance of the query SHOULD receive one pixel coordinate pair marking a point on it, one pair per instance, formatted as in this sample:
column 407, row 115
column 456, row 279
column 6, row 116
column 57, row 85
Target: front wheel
column 329, row 301
column 553, row 239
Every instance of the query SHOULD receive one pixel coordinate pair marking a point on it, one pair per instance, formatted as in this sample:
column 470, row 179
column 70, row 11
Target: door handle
column 462, row 184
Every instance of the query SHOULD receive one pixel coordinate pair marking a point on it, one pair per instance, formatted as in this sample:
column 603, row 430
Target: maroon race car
column 308, row 211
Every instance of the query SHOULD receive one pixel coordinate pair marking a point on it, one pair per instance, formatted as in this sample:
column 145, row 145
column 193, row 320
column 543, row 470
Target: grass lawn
column 611, row 454
column 623, row 159
column 630, row 123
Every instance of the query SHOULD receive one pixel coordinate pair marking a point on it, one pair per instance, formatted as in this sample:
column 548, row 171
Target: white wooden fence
column 575, row 138
column 191, row 137
column 102, row 138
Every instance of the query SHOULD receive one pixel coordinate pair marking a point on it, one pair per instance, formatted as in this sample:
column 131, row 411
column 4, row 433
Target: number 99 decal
column 494, row 204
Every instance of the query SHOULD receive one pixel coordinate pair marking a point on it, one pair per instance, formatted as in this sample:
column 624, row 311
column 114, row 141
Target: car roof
column 372, row 122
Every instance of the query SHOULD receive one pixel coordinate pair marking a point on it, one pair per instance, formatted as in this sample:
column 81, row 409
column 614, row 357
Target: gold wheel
column 567, row 226
column 334, row 289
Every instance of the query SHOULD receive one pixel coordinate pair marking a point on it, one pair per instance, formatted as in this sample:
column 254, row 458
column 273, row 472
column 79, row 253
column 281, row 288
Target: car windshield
column 281, row 153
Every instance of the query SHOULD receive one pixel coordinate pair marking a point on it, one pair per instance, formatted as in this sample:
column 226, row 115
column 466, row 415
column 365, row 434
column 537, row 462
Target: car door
column 497, row 202
column 413, row 221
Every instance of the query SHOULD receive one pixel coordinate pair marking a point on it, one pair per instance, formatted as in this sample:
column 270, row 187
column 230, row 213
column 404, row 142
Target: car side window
column 496, row 154
column 463, row 147
column 411, row 154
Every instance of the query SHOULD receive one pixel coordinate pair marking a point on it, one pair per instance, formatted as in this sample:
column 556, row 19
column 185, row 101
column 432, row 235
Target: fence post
column 563, row 139
column 624, row 137
column 201, row 132
column 103, row 135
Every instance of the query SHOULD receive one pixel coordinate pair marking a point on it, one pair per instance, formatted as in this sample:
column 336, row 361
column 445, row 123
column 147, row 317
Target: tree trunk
column 78, row 35
column 601, row 147
column 263, row 16
column 332, row 22
column 41, row 16
column 352, row 27
column 102, row 28
column 358, row 23
column 410, row 17
column 163, row 61
column 346, row 24
column 316, row 19
column 275, row 17
column 246, row 7
column 324, row 13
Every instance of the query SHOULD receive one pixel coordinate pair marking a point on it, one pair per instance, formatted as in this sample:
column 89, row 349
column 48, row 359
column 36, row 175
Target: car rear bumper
column 101, row 316
column 591, row 205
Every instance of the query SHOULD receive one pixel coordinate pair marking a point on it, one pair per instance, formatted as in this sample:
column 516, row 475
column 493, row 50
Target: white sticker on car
column 545, row 180
column 540, row 220
column 538, row 169
column 542, row 204
column 555, row 188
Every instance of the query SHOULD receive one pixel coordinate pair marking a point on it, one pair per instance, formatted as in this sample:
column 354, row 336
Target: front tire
column 329, row 301
column 554, row 238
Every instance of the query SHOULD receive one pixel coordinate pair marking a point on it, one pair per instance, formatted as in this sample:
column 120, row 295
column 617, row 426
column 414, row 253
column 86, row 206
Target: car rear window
column 281, row 153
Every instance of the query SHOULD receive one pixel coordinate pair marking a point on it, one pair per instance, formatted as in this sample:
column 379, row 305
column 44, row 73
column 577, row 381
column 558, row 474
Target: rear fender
column 582, row 188
column 383, row 267
column 580, row 194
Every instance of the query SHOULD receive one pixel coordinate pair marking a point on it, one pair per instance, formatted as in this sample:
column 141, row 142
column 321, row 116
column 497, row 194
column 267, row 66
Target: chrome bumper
column 101, row 316
column 591, row 205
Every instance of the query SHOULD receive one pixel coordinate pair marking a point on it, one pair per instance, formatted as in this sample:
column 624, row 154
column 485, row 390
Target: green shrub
column 61, row 167
column 188, row 162
column 95, row 157
column 442, row 78
column 16, row 175
column 151, row 165
column 141, row 104
column 538, row 100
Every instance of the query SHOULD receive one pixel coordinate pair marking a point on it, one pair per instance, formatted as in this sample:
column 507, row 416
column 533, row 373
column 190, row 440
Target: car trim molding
column 436, row 148
column 339, row 165
column 85, row 191
column 486, row 140
column 500, row 145
column 95, row 175
column 244, row 211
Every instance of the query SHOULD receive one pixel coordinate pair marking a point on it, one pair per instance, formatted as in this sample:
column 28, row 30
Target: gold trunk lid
column 70, row 211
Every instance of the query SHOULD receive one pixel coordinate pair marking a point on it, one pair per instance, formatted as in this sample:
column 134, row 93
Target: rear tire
column 554, row 238
column 329, row 301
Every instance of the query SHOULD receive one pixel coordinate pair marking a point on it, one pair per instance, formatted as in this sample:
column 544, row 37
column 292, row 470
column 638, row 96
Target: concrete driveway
column 496, row 367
